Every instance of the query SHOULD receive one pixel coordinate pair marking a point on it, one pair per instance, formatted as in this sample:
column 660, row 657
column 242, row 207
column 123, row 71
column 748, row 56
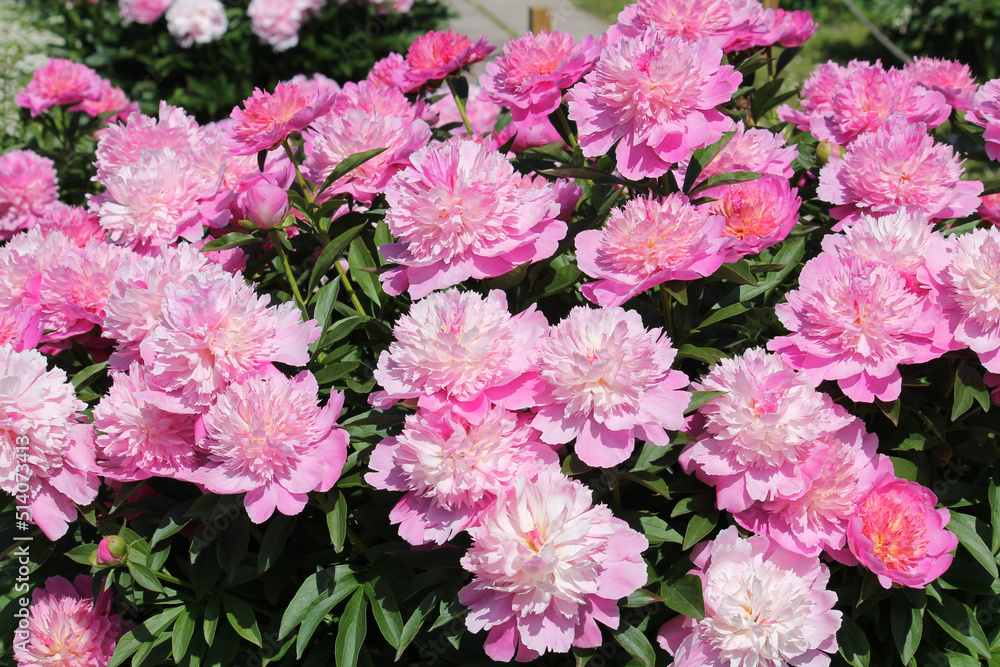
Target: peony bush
column 620, row 355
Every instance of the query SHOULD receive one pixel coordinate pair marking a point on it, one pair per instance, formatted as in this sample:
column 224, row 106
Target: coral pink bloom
column 749, row 150
column 647, row 242
column 268, row 436
column 895, row 166
column 454, row 469
column 790, row 29
column 142, row 11
column 764, row 607
column 754, row 441
column 66, row 626
column 46, row 453
column 461, row 211
column 869, row 97
column 437, row 54
column 607, row 380
column 897, row 534
column 268, row 118
column 463, row 348
column 548, row 565
column 60, row 81
column 730, row 24
column 657, row 95
column 28, row 185
column 758, row 214
column 855, row 321
column 948, row 77
column 986, row 113
column 534, row 70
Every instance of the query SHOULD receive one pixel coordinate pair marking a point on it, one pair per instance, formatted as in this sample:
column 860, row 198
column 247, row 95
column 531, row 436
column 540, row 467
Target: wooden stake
column 539, row 18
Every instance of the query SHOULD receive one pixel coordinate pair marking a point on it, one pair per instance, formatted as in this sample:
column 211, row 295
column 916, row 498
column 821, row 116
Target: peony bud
column 267, row 204
column 825, row 150
column 111, row 550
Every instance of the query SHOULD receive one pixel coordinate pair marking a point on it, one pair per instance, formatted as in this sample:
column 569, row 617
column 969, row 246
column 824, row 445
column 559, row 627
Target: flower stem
column 298, row 174
column 566, row 126
column 276, row 240
column 171, row 579
column 666, row 309
column 460, row 104
column 350, row 289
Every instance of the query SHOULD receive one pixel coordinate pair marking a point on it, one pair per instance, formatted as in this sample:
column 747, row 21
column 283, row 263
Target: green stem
column 172, row 579
column 460, row 104
column 350, row 288
column 276, row 240
column 566, row 126
column 666, row 309
column 298, row 174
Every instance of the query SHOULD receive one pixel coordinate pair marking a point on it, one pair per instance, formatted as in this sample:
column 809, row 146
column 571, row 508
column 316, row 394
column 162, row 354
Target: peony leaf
column 279, row 528
column 854, row 645
column 349, row 163
column 145, row 632
column 416, row 621
column 907, row 624
column 351, row 630
column 385, row 610
column 964, row 526
column 632, row 640
column 698, row 527
column 685, row 596
column 960, row 622
column 182, row 633
column 242, row 618
column 230, row 240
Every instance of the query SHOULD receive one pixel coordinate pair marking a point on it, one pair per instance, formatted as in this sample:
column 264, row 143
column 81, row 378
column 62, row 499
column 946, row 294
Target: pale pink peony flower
column 28, row 185
column 817, row 92
column 729, row 24
column 764, row 607
column 757, row 213
column 75, row 222
column 59, row 81
column 24, row 259
column 277, row 22
column 46, row 453
column 268, row 118
column 67, row 626
column 790, row 29
column 439, row 53
column 607, row 381
column 986, row 113
column 196, row 21
column 869, row 97
column 895, row 166
column 268, row 436
column 948, row 77
column 465, row 349
column 647, row 242
column 534, row 70
column 755, row 440
column 142, row 11
column 454, row 469
column 121, row 145
column 380, row 100
column 748, row 150
column 548, row 565
column 112, row 99
column 898, row 535
column 461, row 211
column 656, row 96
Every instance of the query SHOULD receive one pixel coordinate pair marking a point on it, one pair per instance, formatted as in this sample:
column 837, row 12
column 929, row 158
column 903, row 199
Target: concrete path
column 503, row 20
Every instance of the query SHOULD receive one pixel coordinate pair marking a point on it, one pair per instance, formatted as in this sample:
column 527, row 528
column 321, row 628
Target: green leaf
column 709, row 355
column 907, row 623
column 685, row 596
column 336, row 521
column 789, row 255
column 635, row 643
column 960, row 622
column 351, row 631
column 88, row 375
column 211, row 619
column 962, row 660
column 725, row 178
column 964, row 526
column 737, row 272
column 416, row 621
column 347, row 164
column 145, row 632
column 700, row 398
column 81, row 554
column 331, row 252
column 182, row 633
column 144, row 577
column 385, row 610
column 698, row 527
column 904, row 468
column 316, row 588
column 360, row 260
column 994, row 493
column 275, row 537
column 722, row 314
column 853, row 644
column 242, row 618
column 647, row 479
column 968, row 388
column 657, row 531
column 173, row 521
column 641, row 597
column 230, row 240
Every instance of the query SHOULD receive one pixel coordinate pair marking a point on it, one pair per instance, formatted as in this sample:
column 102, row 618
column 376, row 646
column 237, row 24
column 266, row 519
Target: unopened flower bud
column 825, row 150
column 111, row 550
column 267, row 204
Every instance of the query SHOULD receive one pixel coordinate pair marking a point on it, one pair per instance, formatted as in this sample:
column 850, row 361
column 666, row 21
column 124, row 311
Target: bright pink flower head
column 24, row 259
column 112, row 99
column 548, row 565
column 66, row 626
column 142, row 11
column 454, row 469
column 607, row 380
column 105, row 549
column 647, row 242
column 390, row 71
column 268, row 436
column 750, row 150
column 60, row 81
column 948, row 77
column 534, row 70
column 790, row 29
column 854, row 321
column 895, row 166
column 730, row 24
column 657, row 94
column 817, row 92
column 989, row 210
column 439, row 53
column 196, row 21
column 460, row 211
column 897, row 534
column 28, row 185
column 40, row 427
column 268, row 118
column 75, row 222
column 755, row 440
column 764, row 607
column 986, row 113
column 267, row 204
column 758, row 213
column 20, row 327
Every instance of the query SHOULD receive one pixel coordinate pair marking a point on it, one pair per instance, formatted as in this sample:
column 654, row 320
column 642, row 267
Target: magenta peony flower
column 59, row 81
column 657, row 95
column 390, row 71
column 28, row 185
column 647, row 242
column 730, row 24
column 758, row 214
column 121, row 145
column 454, row 469
column 461, row 211
column 756, row 439
column 897, row 534
column 764, row 606
column 607, row 380
column 268, row 118
column 948, row 77
column 142, row 11
column 66, row 626
column 986, row 113
column 439, row 53
column 268, row 437
column 196, row 21
column 534, row 70
column 548, row 565
column 23, row 260
column 895, row 166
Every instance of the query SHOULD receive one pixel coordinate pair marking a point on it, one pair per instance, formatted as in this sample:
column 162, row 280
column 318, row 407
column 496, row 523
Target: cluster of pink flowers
column 61, row 82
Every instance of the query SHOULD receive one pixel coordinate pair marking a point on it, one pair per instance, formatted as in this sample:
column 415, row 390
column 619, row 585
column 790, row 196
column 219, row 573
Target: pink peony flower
column 277, row 22
column 67, row 626
column 481, row 112
column 23, row 260
column 437, row 54
column 196, row 21
column 59, row 81
column 817, row 92
column 755, row 440
column 534, row 70
column 112, row 99
column 20, row 328
column 764, row 606
column 268, row 118
column 948, row 77
column 647, row 242
column 758, row 214
column 267, row 204
column 108, row 547
column 460, row 211
column 897, row 534
column 790, row 29
column 656, row 96
column 989, row 210
column 986, row 113
column 28, row 185
column 75, row 222
column 729, row 24
column 121, row 145
column 46, row 453
column 390, row 71
column 749, row 150
column 454, row 469
column 895, row 166
column 142, row 11
column 548, row 565
column 607, row 380
column 268, row 437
